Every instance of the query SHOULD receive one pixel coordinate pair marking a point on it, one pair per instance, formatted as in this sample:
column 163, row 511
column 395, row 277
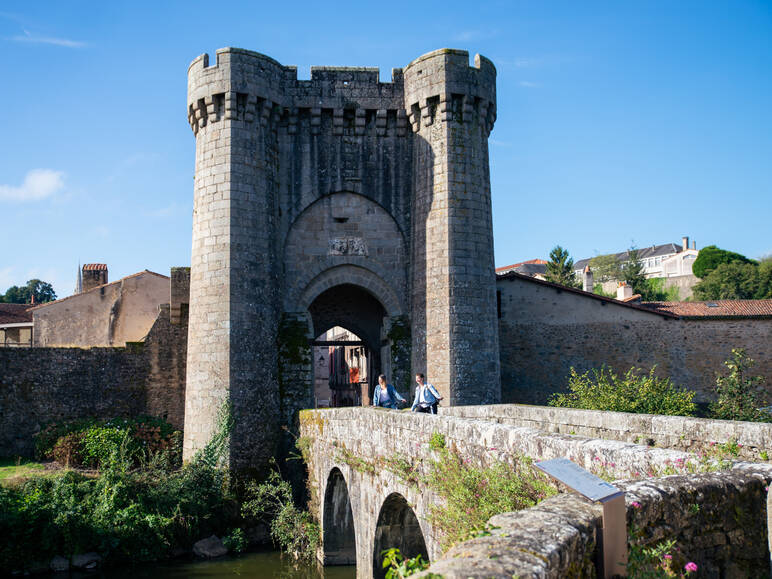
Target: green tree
column 605, row 267
column 764, row 289
column 42, row 292
column 729, row 281
column 711, row 257
column 738, row 396
column 631, row 272
column 560, row 268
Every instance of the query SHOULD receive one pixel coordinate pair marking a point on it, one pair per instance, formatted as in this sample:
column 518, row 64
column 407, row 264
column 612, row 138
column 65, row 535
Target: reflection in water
column 268, row 565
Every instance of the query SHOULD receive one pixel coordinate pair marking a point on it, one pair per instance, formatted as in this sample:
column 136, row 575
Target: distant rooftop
column 15, row 313
column 643, row 253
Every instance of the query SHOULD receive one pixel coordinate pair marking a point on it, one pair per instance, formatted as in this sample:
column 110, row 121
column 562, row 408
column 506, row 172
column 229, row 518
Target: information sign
column 582, row 481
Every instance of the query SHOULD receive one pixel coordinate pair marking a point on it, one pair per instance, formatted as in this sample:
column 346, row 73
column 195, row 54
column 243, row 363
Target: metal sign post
column 613, row 540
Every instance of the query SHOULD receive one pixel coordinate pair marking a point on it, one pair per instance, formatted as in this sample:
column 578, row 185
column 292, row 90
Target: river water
column 267, row 565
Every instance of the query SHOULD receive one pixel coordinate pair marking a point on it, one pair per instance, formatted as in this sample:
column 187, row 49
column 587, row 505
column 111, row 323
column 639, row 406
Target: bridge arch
column 398, row 527
column 339, row 538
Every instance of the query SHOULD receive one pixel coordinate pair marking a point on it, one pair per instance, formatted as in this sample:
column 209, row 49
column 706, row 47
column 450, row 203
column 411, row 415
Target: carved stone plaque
column 348, row 246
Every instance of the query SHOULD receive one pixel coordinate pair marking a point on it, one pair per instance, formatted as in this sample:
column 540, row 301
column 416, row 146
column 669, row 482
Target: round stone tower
column 234, row 302
column 452, row 108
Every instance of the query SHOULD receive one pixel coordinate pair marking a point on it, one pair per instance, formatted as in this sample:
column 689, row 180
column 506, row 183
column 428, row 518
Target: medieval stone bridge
column 365, row 503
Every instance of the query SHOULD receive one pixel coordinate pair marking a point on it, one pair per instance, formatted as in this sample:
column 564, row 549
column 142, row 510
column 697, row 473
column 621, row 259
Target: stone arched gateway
column 340, row 181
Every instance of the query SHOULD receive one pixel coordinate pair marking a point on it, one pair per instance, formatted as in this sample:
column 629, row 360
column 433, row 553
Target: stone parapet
column 676, row 432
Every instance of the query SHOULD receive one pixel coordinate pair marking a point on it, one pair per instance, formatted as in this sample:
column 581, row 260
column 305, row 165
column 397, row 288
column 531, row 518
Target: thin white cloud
column 499, row 143
column 30, row 38
column 529, row 84
column 38, row 184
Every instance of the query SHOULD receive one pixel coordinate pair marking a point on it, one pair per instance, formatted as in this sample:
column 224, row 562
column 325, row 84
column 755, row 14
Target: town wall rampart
column 545, row 331
column 41, row 385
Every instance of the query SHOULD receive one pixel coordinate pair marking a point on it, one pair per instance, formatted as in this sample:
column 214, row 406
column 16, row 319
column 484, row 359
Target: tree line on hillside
column 41, row 291
column 724, row 275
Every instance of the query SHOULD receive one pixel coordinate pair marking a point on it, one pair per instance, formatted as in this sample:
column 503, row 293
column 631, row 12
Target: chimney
column 94, row 275
column 685, row 243
column 587, row 279
column 624, row 291
column 694, row 245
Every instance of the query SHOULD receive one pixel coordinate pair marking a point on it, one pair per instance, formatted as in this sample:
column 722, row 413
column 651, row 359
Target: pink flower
column 668, row 556
column 636, row 505
column 690, row 566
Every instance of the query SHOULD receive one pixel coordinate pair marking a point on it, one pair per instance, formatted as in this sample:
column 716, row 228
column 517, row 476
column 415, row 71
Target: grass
column 13, row 470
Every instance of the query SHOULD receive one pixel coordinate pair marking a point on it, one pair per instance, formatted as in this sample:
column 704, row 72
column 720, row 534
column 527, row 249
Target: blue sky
column 618, row 122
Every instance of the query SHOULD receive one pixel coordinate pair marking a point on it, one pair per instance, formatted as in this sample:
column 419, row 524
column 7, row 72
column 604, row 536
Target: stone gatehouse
column 337, row 201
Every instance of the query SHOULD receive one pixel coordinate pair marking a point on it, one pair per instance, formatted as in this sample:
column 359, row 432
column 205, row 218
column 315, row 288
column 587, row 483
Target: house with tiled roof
column 103, row 313
column 668, row 260
column 15, row 325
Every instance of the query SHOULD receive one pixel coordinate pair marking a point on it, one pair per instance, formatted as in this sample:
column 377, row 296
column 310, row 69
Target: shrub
column 236, row 541
column 640, row 393
column 397, row 566
column 294, row 531
column 738, row 395
column 90, row 442
column 67, row 450
column 472, row 495
column 437, row 441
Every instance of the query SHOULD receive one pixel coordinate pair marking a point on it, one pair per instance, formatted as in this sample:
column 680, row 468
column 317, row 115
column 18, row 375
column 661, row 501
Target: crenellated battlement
column 248, row 86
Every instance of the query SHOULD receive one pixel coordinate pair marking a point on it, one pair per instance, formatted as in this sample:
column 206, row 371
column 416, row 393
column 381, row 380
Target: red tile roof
column 94, row 266
column 15, row 313
column 715, row 308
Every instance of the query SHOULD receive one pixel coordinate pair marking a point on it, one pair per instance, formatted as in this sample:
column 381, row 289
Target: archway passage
column 355, row 309
column 339, row 540
column 397, row 527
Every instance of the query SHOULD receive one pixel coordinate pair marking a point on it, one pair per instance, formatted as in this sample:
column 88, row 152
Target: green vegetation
column 88, row 442
column 437, row 441
column 292, row 530
column 605, row 267
column 710, row 257
column 631, row 272
column 13, row 470
column 41, row 291
column 739, row 396
column 142, row 506
column 473, row 494
column 560, row 268
column 604, row 389
column 737, row 281
column 397, row 566
column 125, row 514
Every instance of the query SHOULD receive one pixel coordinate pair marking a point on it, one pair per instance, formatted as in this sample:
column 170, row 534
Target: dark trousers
column 428, row 409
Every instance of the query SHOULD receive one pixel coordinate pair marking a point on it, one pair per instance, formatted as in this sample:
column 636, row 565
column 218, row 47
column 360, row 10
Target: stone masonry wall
column 39, row 385
column 558, row 535
column 677, row 432
column 544, row 331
